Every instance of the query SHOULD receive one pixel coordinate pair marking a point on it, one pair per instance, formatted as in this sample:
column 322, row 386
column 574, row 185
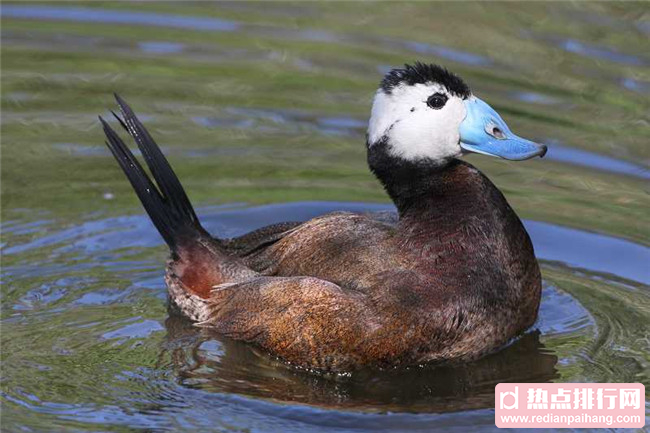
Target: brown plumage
column 453, row 276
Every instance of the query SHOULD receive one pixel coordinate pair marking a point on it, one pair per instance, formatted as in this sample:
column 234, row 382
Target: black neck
column 413, row 184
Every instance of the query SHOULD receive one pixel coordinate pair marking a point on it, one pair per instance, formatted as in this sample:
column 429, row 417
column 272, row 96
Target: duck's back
column 345, row 248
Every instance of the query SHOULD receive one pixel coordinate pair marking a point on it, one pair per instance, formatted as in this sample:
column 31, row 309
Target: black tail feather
column 119, row 119
column 162, row 172
column 168, row 207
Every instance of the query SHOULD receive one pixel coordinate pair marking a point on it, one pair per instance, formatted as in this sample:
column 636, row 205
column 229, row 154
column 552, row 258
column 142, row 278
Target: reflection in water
column 584, row 49
column 536, row 98
column 594, row 160
column 219, row 25
column 638, row 86
column 284, row 121
column 448, row 53
column 94, row 15
column 206, row 361
column 160, row 47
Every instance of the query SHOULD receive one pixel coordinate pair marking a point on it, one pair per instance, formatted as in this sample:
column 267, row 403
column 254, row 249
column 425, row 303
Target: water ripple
column 108, row 16
column 585, row 158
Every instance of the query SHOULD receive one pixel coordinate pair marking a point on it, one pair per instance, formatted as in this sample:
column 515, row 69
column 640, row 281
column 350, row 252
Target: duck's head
column 427, row 115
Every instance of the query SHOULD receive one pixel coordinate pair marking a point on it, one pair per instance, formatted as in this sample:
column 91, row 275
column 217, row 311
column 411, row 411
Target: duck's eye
column 437, row 101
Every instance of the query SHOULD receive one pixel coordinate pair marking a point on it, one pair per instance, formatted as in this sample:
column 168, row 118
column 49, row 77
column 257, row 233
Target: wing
column 344, row 248
column 256, row 240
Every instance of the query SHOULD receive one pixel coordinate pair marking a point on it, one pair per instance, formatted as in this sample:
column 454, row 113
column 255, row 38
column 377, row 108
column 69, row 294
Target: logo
column 614, row 405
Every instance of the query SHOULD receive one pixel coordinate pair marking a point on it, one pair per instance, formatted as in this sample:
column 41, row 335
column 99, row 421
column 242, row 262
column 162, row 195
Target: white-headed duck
column 452, row 276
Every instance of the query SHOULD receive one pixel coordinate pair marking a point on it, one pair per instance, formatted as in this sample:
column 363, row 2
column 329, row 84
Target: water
column 262, row 111
column 91, row 15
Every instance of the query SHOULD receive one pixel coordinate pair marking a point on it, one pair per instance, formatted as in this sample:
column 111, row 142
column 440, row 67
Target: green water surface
column 260, row 103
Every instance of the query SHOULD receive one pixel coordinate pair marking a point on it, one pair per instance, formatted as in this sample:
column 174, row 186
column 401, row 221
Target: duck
column 450, row 277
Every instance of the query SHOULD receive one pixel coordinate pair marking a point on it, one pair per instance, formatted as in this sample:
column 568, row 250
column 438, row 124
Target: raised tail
column 167, row 204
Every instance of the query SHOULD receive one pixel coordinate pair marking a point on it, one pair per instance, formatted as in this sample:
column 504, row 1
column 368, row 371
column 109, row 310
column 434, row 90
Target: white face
column 416, row 131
